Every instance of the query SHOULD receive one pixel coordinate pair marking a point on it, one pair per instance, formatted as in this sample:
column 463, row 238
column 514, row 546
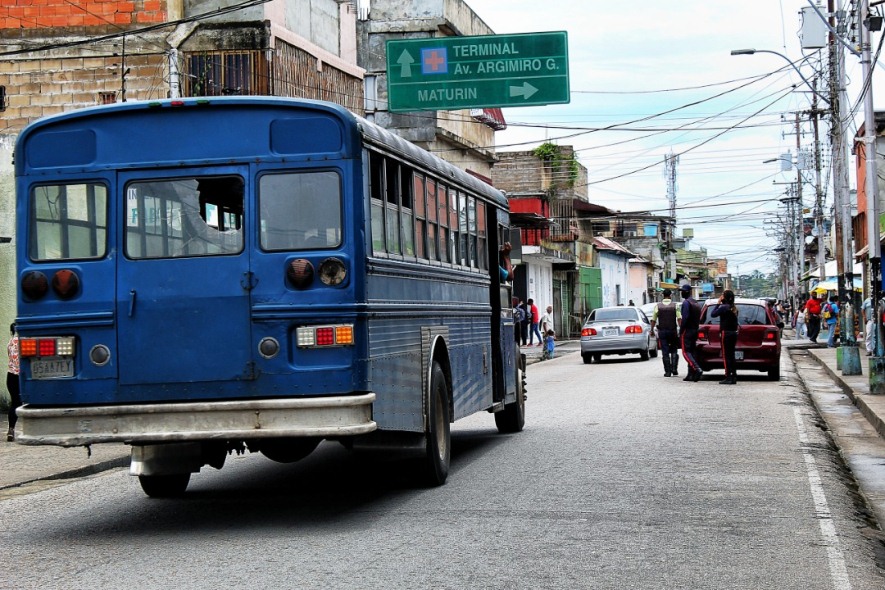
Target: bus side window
column 481, row 237
column 453, row 227
column 420, row 216
column 431, row 220
column 406, row 216
column 376, row 194
column 443, row 219
column 391, row 191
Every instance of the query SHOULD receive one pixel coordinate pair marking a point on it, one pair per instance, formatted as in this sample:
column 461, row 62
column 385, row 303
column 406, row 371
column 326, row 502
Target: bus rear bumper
column 196, row 421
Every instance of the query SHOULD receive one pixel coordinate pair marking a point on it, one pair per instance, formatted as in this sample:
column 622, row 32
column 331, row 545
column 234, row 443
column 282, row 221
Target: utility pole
column 850, row 355
column 801, row 205
column 877, row 363
column 818, row 189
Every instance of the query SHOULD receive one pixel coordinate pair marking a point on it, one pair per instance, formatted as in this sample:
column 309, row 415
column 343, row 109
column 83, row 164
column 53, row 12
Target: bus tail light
column 322, row 336
column 300, row 273
column 332, row 271
column 44, row 347
column 66, row 284
column 34, row 284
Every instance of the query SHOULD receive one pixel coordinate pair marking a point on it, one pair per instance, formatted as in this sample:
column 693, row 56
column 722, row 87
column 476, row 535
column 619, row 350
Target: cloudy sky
column 660, row 78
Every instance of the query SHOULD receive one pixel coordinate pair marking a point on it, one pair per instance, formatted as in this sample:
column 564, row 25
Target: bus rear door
column 183, row 280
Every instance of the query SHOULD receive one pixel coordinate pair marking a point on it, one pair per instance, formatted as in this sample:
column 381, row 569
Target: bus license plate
column 52, row 368
column 738, row 355
column 609, row 331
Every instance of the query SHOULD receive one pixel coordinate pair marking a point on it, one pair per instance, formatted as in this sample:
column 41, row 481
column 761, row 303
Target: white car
column 617, row 330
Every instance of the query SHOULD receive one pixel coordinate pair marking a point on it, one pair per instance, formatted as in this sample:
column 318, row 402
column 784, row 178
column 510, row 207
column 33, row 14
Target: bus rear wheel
column 438, row 440
column 512, row 417
column 164, row 486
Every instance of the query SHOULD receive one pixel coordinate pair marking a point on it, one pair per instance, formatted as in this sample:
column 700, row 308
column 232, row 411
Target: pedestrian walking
column 688, row 333
column 535, row 320
column 867, row 309
column 812, row 309
column 830, row 311
column 727, row 312
column 12, row 381
column 800, row 325
column 667, row 317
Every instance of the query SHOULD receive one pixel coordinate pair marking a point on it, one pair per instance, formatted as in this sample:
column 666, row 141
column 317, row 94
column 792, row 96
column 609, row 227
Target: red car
column 759, row 338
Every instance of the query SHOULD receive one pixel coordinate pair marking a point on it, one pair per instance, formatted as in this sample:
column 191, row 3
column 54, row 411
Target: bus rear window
column 68, row 222
column 184, row 217
column 300, row 210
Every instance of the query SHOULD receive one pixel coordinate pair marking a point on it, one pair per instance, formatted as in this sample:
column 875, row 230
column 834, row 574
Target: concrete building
column 466, row 137
column 544, row 186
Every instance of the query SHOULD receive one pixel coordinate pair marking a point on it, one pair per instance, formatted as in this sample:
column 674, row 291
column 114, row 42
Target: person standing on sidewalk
column 12, row 383
column 688, row 333
column 812, row 316
column 547, row 320
column 727, row 313
column 536, row 318
column 867, row 309
column 831, row 317
column 800, row 324
column 667, row 317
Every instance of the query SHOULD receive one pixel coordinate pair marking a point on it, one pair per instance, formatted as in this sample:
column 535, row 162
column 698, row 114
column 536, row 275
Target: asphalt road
column 621, row 479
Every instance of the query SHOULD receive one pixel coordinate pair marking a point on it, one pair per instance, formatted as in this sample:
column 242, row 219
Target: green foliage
column 551, row 154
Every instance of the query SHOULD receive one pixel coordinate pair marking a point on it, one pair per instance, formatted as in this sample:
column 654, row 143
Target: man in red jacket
column 812, row 317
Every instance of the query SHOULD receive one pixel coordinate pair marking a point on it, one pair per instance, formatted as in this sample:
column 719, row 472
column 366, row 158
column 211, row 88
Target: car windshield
column 625, row 313
column 748, row 315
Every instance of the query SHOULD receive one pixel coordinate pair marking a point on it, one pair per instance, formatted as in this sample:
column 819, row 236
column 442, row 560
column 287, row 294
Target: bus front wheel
column 438, row 434
column 164, row 486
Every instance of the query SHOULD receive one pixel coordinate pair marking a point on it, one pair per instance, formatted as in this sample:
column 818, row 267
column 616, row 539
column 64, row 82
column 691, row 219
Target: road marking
column 835, row 558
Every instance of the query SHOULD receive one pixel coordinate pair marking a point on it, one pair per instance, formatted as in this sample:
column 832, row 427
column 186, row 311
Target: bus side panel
column 400, row 315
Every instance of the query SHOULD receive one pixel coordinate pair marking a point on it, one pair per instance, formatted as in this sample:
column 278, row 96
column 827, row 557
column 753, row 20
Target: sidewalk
column 856, row 387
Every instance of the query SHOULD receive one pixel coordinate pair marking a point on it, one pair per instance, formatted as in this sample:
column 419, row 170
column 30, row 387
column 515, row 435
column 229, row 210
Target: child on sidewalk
column 549, row 345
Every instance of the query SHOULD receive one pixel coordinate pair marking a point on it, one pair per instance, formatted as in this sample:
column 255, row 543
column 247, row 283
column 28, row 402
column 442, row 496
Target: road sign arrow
column 526, row 90
column 406, row 60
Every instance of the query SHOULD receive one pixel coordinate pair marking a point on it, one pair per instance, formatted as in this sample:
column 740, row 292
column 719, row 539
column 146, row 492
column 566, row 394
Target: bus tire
column 164, row 486
column 438, row 436
column 512, row 417
column 288, row 450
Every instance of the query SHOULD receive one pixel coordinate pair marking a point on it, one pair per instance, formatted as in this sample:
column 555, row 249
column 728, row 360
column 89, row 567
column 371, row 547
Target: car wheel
column 597, row 357
column 653, row 352
column 774, row 374
column 587, row 358
column 643, row 354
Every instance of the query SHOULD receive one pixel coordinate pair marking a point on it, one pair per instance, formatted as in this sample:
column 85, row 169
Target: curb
column 859, row 402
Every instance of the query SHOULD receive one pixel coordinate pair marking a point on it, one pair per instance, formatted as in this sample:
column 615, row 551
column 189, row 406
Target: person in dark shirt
column 727, row 313
column 688, row 332
column 667, row 317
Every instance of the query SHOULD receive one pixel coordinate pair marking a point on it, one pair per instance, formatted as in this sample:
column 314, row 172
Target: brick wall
column 30, row 14
column 40, row 87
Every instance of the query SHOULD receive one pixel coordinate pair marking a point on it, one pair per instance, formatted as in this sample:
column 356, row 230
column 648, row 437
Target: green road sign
column 447, row 73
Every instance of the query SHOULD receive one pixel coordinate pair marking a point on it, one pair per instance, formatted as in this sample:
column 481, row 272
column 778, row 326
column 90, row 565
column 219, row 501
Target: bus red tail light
column 34, row 284
column 300, row 273
column 588, row 332
column 322, row 336
column 66, row 284
column 633, row 330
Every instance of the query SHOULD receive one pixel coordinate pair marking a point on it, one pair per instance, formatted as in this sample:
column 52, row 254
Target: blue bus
column 204, row 276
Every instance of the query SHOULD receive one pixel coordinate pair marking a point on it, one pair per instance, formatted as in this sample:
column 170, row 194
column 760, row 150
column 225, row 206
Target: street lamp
column 795, row 67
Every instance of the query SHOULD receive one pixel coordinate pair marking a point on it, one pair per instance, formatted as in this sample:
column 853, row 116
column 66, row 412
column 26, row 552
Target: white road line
column 835, row 558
